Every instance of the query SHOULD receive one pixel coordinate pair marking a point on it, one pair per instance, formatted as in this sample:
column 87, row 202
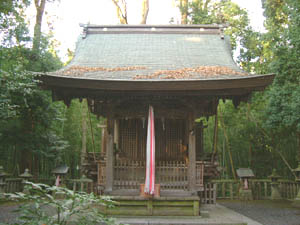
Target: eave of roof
column 255, row 82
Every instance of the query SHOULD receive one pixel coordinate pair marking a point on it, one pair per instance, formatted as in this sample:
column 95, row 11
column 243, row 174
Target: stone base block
column 245, row 195
column 275, row 195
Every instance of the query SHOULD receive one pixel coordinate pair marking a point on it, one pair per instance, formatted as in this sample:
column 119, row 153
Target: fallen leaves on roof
column 184, row 73
column 80, row 70
column 205, row 71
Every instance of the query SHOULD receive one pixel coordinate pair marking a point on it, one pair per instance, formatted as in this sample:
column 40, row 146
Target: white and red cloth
column 150, row 154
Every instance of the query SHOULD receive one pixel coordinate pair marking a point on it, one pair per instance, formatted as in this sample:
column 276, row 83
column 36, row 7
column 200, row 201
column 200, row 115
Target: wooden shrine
column 182, row 71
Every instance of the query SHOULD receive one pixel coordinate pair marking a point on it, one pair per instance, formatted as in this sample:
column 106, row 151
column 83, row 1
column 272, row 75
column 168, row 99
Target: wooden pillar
column 103, row 139
column 116, row 133
column 192, row 153
column 109, row 155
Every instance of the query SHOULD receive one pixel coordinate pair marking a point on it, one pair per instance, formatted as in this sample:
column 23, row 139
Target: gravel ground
column 7, row 214
column 265, row 211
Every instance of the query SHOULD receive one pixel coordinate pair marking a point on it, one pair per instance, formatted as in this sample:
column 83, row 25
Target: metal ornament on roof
column 244, row 173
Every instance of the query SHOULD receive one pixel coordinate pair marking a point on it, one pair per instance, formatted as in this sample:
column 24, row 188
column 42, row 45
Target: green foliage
column 26, row 112
column 252, row 143
column 12, row 23
column 42, row 207
column 220, row 12
column 71, row 130
column 26, row 116
column 284, row 106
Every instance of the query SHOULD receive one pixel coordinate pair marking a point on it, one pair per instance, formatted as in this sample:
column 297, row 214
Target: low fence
column 12, row 185
column 261, row 189
column 216, row 189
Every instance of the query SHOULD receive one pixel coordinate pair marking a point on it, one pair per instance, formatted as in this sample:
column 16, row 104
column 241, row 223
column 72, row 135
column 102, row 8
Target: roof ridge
column 153, row 29
column 171, row 26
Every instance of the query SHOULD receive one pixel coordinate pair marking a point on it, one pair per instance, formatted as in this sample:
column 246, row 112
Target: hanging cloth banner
column 150, row 148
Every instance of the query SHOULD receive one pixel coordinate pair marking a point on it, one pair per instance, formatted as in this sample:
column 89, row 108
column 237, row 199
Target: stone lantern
column 26, row 176
column 275, row 195
column 2, row 180
column 59, row 173
column 245, row 191
column 296, row 201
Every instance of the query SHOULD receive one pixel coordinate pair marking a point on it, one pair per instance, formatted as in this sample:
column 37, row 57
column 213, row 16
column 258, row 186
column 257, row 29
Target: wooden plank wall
column 169, row 143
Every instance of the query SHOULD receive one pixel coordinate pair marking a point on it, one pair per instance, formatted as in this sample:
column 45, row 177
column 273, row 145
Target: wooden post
column 116, row 133
column 109, row 155
column 215, row 192
column 192, row 153
column 103, row 139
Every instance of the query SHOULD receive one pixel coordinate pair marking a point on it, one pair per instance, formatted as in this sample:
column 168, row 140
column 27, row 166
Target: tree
column 121, row 7
column 40, row 7
column 145, row 10
column 216, row 12
column 183, row 6
column 284, row 104
column 12, row 24
column 27, row 116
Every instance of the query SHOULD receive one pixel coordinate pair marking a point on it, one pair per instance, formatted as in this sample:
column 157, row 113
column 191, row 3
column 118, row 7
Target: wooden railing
column 261, row 188
column 82, row 185
column 199, row 174
column 13, row 185
column 209, row 193
column 170, row 175
column 288, row 189
column 128, row 174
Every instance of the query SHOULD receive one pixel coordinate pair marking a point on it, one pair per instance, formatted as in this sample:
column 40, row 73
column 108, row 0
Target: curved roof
column 145, row 57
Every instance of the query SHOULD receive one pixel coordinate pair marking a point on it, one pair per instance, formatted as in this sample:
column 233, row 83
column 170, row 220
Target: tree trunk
column 184, row 11
column 228, row 146
column 40, row 7
column 145, row 10
column 215, row 138
column 299, row 147
column 121, row 7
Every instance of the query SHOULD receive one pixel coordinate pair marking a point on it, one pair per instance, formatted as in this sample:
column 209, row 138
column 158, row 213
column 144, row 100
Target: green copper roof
column 140, row 52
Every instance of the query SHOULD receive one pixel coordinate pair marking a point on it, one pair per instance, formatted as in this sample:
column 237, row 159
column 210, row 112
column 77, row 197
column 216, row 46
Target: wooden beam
column 192, row 153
